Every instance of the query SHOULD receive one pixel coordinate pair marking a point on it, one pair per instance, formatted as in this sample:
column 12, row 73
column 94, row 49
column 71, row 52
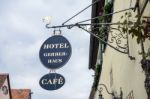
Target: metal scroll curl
column 118, row 39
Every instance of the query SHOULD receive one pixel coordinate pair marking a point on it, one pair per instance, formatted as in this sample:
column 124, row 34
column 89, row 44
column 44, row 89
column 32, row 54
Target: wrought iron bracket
column 118, row 41
column 114, row 96
column 123, row 49
column 116, row 38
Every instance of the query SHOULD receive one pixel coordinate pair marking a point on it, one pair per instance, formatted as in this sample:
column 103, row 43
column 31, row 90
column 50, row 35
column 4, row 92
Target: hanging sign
column 52, row 81
column 55, row 52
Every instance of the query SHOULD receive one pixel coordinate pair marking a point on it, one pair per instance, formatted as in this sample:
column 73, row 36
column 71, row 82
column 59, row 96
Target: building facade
column 7, row 93
column 123, row 62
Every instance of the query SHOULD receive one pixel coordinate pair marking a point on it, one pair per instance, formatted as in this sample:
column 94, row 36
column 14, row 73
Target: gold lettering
column 60, row 81
column 57, row 45
column 66, row 46
column 49, row 82
column 44, row 81
column 54, row 54
column 54, row 81
column 54, row 61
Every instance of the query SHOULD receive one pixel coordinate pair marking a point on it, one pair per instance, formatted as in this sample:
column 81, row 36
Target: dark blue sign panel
column 55, row 52
column 52, row 81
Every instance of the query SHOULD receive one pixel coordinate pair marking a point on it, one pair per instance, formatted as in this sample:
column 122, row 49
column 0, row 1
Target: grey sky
column 22, row 33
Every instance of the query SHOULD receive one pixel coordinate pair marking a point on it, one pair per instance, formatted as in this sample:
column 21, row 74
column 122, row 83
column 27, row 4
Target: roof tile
column 20, row 93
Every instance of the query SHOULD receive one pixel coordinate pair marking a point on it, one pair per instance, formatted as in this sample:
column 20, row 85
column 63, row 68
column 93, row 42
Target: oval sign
column 52, row 81
column 55, row 52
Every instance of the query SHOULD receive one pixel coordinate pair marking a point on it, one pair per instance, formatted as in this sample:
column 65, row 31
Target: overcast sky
column 22, row 33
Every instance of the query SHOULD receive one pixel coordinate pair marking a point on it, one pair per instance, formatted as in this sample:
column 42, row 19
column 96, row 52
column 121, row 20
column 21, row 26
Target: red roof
column 20, row 93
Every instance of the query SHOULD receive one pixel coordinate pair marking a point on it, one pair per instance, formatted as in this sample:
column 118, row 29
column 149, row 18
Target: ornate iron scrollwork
column 119, row 39
column 113, row 94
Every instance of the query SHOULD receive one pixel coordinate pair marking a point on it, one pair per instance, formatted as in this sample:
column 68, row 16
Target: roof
column 97, row 9
column 21, row 93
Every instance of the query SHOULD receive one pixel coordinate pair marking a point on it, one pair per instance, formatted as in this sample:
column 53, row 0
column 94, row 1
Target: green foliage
column 135, row 29
column 104, row 18
column 103, row 30
column 106, row 10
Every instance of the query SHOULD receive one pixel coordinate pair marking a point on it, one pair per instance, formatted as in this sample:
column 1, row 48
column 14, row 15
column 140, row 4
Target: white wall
column 118, row 69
